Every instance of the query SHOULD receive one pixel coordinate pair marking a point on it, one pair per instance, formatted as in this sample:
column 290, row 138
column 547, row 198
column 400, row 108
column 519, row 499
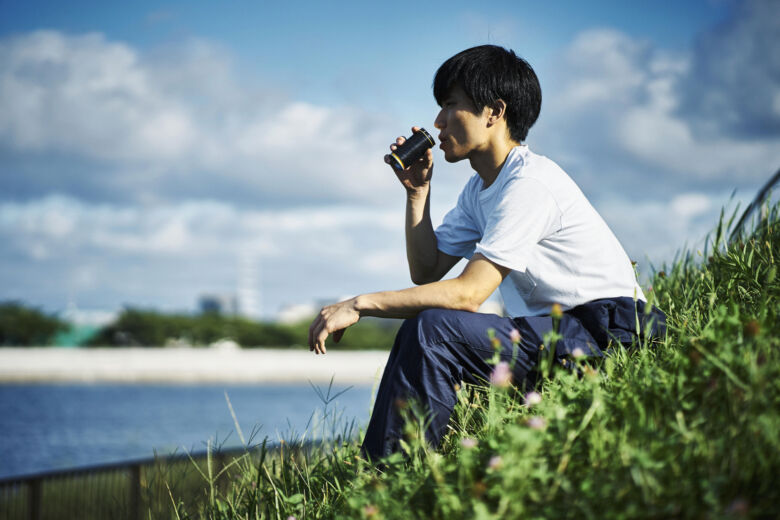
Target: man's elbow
column 469, row 301
column 470, row 306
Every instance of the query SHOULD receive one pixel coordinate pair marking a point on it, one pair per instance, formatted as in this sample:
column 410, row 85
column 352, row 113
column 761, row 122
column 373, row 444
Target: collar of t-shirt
column 515, row 158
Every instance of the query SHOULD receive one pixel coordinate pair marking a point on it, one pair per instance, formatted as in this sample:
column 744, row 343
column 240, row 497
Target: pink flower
column 502, row 375
column 537, row 423
column 577, row 353
column 514, row 336
column 532, row 398
column 469, row 443
column 495, row 462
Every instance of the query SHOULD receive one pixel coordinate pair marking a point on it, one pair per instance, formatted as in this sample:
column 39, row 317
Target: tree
column 21, row 325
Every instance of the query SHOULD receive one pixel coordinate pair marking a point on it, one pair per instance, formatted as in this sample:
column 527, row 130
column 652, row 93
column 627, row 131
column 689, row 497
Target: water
column 47, row 426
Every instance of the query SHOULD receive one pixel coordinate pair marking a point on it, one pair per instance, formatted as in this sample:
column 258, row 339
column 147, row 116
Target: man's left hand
column 332, row 319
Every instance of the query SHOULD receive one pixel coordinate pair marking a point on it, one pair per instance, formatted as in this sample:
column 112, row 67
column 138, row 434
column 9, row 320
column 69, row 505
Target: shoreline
column 188, row 365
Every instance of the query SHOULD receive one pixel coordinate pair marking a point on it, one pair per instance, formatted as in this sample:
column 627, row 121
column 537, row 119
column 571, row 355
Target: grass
column 685, row 428
column 688, row 427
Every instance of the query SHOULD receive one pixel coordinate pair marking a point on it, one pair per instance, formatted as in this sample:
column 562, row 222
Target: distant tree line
column 148, row 328
column 22, row 325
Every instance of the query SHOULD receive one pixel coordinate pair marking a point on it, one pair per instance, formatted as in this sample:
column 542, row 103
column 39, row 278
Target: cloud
column 653, row 231
column 151, row 177
column 168, row 255
column 175, row 124
column 622, row 112
column 734, row 83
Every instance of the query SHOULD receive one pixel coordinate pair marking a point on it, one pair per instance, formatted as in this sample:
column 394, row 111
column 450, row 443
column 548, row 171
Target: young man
column 526, row 229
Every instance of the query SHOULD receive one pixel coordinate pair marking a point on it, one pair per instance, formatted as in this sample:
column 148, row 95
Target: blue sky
column 151, row 152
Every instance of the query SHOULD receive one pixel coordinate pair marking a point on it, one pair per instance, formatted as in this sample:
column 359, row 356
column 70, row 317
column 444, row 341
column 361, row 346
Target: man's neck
column 488, row 162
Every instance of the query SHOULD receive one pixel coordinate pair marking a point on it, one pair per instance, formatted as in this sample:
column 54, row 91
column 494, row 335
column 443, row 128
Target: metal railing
column 129, row 490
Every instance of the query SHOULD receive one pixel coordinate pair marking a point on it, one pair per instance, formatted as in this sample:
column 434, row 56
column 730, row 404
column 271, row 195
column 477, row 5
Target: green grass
column 688, row 427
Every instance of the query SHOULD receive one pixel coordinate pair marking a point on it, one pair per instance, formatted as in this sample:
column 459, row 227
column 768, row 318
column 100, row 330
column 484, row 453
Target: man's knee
column 436, row 325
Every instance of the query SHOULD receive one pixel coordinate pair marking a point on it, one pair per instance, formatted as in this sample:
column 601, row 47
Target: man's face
column 462, row 129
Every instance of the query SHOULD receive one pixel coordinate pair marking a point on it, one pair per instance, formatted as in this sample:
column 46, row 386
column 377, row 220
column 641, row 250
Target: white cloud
column 690, row 205
column 152, row 122
column 193, row 157
column 605, row 66
column 617, row 103
column 189, row 227
column 735, row 74
column 170, row 254
column 655, row 230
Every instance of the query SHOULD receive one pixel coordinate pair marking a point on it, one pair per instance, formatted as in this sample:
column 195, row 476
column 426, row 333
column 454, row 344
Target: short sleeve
column 458, row 233
column 526, row 214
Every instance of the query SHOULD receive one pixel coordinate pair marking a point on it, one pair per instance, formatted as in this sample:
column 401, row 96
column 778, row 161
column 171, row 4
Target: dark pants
column 441, row 348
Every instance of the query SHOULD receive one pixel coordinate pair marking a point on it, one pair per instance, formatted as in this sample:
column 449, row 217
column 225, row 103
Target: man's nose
column 439, row 123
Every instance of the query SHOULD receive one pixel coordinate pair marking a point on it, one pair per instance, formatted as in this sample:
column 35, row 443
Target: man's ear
column 497, row 112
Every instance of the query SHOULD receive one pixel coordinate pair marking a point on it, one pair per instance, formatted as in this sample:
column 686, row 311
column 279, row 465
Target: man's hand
column 416, row 176
column 332, row 319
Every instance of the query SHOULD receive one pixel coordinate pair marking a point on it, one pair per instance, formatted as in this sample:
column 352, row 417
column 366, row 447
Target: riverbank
column 188, row 365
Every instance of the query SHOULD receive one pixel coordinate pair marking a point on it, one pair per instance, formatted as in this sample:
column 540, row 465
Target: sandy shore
column 188, row 365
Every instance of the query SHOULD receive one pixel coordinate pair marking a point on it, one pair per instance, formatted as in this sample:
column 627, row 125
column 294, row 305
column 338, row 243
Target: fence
column 129, row 490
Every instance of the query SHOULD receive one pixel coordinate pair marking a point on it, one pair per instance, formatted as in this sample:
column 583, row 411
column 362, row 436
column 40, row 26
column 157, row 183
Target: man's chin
column 452, row 158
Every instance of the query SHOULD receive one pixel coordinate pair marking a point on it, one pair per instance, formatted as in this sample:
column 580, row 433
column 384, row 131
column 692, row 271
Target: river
column 55, row 426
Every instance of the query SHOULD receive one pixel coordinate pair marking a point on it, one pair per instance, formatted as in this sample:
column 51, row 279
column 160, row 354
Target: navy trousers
column 440, row 348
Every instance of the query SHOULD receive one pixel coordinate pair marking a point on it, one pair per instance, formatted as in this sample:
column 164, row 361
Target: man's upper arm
column 481, row 277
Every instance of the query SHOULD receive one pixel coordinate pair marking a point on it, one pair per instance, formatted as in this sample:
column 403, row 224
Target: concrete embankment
column 188, row 365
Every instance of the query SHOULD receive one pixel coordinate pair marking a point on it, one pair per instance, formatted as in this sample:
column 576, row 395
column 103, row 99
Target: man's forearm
column 407, row 303
column 466, row 292
column 421, row 248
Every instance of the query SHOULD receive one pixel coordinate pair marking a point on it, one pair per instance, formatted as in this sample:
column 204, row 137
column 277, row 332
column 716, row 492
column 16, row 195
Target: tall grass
column 688, row 427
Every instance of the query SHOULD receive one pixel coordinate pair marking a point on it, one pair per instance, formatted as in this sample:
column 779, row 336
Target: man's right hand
column 417, row 176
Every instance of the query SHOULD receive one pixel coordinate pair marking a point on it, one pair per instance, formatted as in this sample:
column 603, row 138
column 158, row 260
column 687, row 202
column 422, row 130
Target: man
column 525, row 227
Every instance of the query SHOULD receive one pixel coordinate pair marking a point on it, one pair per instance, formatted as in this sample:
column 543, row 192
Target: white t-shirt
column 535, row 220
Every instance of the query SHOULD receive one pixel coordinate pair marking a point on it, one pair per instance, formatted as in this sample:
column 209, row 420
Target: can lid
column 424, row 132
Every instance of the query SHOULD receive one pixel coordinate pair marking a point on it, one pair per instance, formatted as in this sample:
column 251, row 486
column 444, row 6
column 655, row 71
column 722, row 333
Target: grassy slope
column 686, row 428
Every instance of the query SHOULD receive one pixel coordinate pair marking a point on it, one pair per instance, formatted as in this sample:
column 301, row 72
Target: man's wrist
column 419, row 194
column 360, row 304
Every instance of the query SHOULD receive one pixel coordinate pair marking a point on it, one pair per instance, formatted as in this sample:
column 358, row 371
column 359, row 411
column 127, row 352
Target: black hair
column 488, row 73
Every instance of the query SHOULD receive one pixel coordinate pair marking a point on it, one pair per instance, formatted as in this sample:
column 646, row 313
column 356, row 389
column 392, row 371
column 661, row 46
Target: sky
column 153, row 152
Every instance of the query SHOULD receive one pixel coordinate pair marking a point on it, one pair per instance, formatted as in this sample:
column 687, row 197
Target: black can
column 412, row 149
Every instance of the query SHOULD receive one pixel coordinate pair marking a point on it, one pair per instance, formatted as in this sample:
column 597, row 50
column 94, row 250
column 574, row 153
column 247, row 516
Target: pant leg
column 441, row 348
column 432, row 353
column 617, row 320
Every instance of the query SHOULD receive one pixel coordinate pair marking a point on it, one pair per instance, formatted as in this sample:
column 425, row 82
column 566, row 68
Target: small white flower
column 537, row 423
column 502, row 375
column 469, row 442
column 495, row 462
column 577, row 353
column 514, row 336
column 532, row 398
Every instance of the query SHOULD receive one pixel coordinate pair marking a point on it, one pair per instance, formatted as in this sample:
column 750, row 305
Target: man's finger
column 321, row 339
column 312, row 330
column 309, row 341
